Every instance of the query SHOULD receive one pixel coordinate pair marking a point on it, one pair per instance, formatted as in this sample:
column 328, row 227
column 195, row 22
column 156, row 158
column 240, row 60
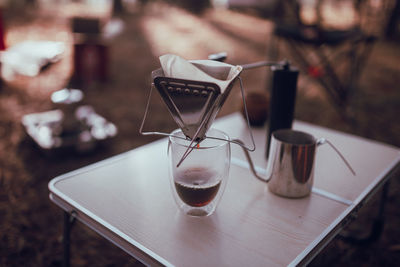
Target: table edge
column 141, row 252
column 307, row 255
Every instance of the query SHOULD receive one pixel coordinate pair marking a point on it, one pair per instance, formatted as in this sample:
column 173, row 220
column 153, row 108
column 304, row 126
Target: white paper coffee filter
column 199, row 70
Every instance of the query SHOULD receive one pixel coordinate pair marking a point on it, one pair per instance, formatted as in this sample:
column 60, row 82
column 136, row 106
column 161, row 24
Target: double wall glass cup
column 200, row 180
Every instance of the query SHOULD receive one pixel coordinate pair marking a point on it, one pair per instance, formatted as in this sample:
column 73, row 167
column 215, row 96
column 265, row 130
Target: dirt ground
column 31, row 226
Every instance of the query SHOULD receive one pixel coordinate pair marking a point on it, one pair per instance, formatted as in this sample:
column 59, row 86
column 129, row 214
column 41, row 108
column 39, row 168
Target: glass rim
column 223, row 139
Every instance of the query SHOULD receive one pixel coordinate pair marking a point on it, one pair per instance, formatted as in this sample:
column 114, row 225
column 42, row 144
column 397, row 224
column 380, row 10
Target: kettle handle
column 322, row 141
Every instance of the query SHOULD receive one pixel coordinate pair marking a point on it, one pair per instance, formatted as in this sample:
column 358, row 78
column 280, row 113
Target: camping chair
column 333, row 57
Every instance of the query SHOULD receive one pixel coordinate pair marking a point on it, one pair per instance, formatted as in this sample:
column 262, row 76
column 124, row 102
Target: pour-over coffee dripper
column 194, row 104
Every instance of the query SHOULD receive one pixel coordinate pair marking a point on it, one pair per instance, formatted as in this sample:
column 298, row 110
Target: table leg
column 69, row 220
column 377, row 226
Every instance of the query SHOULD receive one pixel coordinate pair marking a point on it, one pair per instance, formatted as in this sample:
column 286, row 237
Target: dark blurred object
column 393, row 26
column 194, row 6
column 263, row 8
column 283, row 99
column 90, row 50
column 118, row 7
column 333, row 57
column 2, row 43
column 86, row 25
column 257, row 104
column 90, row 62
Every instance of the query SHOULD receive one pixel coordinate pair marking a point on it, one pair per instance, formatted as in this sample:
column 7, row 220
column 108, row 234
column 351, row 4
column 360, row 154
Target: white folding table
column 128, row 200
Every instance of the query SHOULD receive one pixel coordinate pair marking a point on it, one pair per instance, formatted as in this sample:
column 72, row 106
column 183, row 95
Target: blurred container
column 257, row 107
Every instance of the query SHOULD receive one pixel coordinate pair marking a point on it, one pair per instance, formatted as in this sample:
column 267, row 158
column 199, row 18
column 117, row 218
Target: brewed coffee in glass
column 200, row 180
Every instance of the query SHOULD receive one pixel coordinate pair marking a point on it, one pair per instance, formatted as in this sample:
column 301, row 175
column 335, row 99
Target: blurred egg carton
column 46, row 130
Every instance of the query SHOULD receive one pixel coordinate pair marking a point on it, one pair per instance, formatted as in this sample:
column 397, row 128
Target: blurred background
column 347, row 52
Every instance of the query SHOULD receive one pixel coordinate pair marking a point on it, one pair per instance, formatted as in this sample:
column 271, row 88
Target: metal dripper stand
column 195, row 104
column 70, row 125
